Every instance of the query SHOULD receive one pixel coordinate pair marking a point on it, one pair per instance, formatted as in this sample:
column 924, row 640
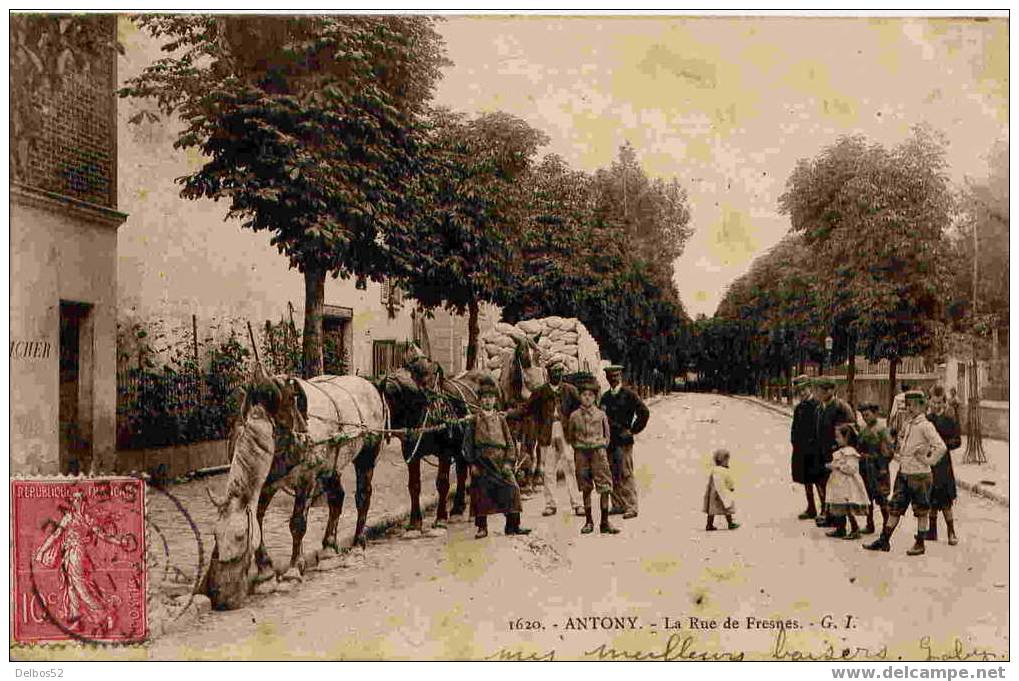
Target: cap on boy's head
column 868, row 406
column 720, row 455
column 801, row 381
column 556, row 367
column 614, row 369
column 586, row 381
column 488, row 388
column 826, row 383
column 916, row 396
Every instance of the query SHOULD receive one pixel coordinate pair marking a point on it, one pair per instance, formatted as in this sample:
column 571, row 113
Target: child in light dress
column 718, row 496
column 846, row 493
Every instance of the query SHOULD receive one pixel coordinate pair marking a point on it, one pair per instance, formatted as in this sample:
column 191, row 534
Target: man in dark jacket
column 831, row 413
column 803, row 436
column 550, row 407
column 627, row 415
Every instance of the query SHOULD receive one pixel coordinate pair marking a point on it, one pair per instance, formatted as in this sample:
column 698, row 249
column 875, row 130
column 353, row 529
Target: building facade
column 64, row 218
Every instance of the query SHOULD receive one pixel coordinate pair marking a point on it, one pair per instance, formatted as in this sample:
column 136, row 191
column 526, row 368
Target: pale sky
column 727, row 105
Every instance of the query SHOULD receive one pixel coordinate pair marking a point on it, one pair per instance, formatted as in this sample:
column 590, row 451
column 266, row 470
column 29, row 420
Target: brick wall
column 76, row 153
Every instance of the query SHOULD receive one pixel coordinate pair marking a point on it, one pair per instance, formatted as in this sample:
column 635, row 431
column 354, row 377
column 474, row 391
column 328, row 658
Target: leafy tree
column 310, row 128
column 983, row 209
column 875, row 220
column 579, row 258
column 458, row 251
column 652, row 214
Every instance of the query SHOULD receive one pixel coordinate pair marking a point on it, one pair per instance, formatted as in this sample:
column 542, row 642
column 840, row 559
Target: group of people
column 598, row 427
column 845, row 457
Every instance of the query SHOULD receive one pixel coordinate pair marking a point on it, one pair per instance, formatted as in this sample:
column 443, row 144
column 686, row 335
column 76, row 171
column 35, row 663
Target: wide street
column 559, row 594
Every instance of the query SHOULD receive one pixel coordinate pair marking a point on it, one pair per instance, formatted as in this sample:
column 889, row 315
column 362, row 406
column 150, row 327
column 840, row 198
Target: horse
column 520, row 374
column 294, row 433
column 421, row 404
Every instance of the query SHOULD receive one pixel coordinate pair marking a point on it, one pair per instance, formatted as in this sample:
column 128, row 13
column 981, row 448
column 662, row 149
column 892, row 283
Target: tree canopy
column 866, row 260
column 309, row 126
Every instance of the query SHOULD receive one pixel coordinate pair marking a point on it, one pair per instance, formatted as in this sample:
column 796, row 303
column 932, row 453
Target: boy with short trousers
column 588, row 434
column 919, row 448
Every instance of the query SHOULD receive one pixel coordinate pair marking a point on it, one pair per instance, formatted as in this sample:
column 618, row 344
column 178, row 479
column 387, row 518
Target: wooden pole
column 254, row 348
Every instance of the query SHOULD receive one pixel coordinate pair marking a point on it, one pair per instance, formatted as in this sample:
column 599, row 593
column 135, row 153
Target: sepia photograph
column 510, row 336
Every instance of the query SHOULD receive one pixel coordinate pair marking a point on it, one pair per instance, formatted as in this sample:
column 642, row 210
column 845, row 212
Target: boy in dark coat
column 803, row 437
column 831, row 413
column 491, row 452
column 628, row 415
column 876, row 448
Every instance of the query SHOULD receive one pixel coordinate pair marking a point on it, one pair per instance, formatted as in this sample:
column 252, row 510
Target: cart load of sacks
column 564, row 340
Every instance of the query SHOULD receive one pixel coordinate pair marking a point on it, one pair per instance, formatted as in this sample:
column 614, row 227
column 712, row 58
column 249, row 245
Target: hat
column 587, row 381
column 557, row 365
column 916, row 395
column 488, row 388
column 613, row 367
column 802, row 379
column 824, row 382
column 868, row 406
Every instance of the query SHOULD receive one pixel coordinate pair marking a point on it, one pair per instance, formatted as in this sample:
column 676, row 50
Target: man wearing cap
column 550, row 407
column 627, row 415
column 920, row 447
column 831, row 413
column 803, row 437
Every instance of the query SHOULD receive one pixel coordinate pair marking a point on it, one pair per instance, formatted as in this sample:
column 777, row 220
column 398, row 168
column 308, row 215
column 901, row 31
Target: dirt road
column 776, row 588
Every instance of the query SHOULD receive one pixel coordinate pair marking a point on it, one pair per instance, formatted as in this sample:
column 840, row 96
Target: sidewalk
column 988, row 480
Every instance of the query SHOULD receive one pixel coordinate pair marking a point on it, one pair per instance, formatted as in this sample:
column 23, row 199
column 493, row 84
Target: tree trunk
column 473, row 313
column 851, row 371
column 789, row 385
column 893, row 369
column 314, row 302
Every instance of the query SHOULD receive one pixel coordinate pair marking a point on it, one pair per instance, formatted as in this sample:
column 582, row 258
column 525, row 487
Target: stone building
column 63, row 237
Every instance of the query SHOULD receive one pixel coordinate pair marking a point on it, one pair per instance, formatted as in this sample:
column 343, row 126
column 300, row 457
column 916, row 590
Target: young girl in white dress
column 846, row 493
column 718, row 496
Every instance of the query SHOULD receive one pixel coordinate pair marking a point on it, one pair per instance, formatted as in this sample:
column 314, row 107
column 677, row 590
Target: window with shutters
column 392, row 297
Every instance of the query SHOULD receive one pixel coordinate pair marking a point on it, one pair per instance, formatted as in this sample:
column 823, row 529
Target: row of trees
column 321, row 131
column 879, row 259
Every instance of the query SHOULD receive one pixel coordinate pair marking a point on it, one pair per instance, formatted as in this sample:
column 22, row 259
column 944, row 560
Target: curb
column 979, row 490
column 975, row 488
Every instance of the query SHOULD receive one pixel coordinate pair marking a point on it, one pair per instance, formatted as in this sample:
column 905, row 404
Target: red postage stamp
column 79, row 560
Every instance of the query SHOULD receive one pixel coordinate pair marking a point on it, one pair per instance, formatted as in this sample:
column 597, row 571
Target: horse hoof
column 439, row 525
column 265, row 573
column 292, row 575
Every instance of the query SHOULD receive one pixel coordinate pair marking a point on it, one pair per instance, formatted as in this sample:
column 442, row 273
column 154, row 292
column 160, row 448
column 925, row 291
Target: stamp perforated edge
column 68, row 643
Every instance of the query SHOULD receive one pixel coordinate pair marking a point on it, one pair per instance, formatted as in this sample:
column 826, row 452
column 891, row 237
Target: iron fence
column 159, row 409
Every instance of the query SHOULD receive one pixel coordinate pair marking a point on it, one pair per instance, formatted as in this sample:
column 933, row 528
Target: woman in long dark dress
column 943, row 489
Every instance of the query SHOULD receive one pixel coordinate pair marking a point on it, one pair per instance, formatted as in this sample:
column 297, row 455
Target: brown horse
column 421, row 398
column 520, row 375
column 296, row 434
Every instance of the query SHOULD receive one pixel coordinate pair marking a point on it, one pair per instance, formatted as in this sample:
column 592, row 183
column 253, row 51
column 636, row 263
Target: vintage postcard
column 510, row 337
